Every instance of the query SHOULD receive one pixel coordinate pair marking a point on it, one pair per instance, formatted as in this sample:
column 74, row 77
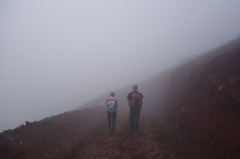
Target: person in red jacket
column 112, row 104
column 135, row 101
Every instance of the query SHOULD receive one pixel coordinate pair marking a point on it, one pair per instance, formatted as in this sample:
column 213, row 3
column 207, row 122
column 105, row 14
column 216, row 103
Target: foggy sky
column 56, row 55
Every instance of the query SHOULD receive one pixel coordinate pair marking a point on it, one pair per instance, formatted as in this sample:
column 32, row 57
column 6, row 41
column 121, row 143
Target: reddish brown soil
column 208, row 99
column 83, row 134
column 190, row 112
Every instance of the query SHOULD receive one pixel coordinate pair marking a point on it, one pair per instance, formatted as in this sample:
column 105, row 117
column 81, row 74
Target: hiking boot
column 133, row 131
column 112, row 133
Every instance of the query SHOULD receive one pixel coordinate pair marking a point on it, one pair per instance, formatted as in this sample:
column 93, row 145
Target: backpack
column 111, row 106
column 136, row 98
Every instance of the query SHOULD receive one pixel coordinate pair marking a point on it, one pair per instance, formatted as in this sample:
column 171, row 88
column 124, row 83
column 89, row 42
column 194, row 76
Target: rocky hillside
column 205, row 96
column 190, row 112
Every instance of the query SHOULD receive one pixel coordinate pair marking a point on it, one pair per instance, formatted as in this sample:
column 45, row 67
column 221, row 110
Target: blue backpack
column 111, row 106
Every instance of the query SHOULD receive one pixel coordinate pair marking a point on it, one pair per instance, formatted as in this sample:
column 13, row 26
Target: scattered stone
column 47, row 121
column 11, row 139
column 5, row 147
column 183, row 108
column 27, row 123
column 21, row 126
column 220, row 88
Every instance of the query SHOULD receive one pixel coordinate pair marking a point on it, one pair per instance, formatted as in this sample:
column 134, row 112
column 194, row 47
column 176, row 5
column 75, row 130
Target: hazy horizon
column 57, row 55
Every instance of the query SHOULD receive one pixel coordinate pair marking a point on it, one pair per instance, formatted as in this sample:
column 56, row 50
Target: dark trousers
column 134, row 118
column 111, row 122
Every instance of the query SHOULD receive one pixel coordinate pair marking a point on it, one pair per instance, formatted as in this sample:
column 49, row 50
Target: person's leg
column 131, row 119
column 109, row 122
column 136, row 119
column 114, row 116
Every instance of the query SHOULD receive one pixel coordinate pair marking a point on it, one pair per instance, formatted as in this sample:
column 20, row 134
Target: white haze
column 57, row 55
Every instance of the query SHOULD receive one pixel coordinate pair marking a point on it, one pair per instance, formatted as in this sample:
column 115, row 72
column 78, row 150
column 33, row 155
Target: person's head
column 112, row 94
column 135, row 87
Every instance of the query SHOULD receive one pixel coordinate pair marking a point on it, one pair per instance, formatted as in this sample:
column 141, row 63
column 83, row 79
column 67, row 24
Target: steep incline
column 207, row 99
column 83, row 134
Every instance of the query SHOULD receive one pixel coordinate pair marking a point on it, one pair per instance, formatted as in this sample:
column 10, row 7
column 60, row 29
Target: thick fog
column 57, row 55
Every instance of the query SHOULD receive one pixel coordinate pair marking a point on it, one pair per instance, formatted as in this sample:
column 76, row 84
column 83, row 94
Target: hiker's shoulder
column 130, row 93
column 140, row 93
column 109, row 99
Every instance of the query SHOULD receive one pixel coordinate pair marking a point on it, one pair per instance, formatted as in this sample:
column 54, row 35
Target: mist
column 57, row 55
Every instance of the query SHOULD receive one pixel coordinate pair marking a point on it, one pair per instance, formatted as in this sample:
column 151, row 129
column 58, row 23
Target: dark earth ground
column 83, row 134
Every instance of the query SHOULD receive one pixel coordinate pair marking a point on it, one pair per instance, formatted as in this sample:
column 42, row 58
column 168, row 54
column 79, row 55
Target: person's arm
column 141, row 101
column 106, row 101
column 129, row 102
column 116, row 102
column 129, row 97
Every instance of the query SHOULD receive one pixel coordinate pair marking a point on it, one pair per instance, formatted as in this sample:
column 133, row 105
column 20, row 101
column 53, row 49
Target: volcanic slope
column 190, row 112
column 83, row 134
column 206, row 98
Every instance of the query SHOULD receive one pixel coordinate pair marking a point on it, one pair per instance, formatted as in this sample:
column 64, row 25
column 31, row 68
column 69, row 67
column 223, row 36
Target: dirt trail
column 83, row 134
column 155, row 139
column 124, row 144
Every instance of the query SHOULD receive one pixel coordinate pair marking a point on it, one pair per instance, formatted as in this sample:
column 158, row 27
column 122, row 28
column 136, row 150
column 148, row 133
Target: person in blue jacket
column 112, row 104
